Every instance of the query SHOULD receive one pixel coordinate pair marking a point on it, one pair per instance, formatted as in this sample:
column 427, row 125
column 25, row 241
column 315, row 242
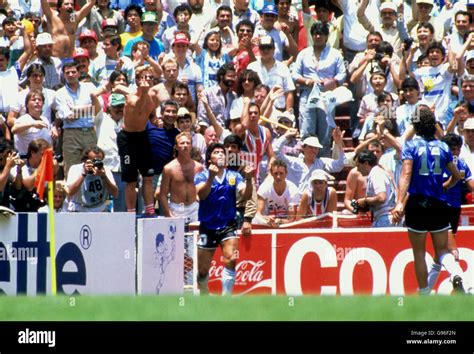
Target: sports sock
column 131, row 210
column 450, row 264
column 150, row 209
column 228, row 280
column 433, row 275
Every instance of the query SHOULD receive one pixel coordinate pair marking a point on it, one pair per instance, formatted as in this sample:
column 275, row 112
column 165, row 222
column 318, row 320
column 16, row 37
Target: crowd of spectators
column 111, row 84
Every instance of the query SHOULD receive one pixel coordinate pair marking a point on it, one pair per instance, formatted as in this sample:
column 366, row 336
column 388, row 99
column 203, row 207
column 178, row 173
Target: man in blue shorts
column 217, row 189
column 424, row 160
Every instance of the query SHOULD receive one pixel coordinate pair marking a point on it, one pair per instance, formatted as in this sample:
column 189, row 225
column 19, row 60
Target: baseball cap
column 388, row 5
column 150, row 16
column 320, row 175
column 80, row 52
column 469, row 124
column 109, row 22
column 183, row 111
column 312, row 141
column 180, row 38
column 88, row 34
column 266, row 41
column 429, row 2
column 117, row 99
column 269, row 9
column 44, row 39
column 469, row 55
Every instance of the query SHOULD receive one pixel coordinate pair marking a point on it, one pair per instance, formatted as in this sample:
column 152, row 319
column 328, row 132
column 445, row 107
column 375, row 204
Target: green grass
column 252, row 308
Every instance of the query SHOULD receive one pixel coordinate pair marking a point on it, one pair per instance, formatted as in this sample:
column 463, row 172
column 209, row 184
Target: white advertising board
column 160, row 261
column 95, row 254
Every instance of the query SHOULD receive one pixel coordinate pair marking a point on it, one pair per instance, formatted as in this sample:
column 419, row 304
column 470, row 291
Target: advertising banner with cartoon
column 160, row 262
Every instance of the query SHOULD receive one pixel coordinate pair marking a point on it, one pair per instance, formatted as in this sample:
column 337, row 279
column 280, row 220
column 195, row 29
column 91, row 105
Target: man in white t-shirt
column 278, row 198
column 274, row 73
column 381, row 193
column 90, row 183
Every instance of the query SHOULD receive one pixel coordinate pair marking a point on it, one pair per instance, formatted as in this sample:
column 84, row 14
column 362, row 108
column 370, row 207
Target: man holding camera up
column 90, row 183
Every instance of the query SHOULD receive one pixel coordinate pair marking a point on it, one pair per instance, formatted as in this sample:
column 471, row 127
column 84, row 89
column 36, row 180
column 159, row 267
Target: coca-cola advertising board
column 334, row 262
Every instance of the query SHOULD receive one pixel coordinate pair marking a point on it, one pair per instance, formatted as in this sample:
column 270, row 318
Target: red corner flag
column 44, row 172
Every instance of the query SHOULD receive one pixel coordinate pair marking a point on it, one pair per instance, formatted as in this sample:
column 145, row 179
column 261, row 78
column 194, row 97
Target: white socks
column 228, row 280
column 449, row 263
column 433, row 275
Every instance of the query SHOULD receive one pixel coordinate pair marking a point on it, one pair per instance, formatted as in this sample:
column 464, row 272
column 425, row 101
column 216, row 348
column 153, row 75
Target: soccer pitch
column 237, row 308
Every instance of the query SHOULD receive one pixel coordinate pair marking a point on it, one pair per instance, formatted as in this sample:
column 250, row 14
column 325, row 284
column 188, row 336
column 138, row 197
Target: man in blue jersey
column 453, row 199
column 424, row 160
column 217, row 189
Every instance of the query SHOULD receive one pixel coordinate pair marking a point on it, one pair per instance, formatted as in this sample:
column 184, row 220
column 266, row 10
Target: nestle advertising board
column 92, row 256
column 340, row 261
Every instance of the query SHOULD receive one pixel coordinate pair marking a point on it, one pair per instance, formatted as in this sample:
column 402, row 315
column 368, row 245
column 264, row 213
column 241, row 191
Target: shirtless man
column 133, row 144
column 63, row 25
column 170, row 73
column 356, row 184
column 178, row 181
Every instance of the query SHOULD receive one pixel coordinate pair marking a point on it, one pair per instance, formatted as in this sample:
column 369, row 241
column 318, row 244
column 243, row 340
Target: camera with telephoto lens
column 98, row 163
column 355, row 206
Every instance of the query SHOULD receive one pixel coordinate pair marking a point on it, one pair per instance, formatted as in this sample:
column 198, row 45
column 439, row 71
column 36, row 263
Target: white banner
column 160, row 263
column 94, row 254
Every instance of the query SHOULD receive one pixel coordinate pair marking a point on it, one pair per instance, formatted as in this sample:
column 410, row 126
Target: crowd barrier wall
column 334, row 262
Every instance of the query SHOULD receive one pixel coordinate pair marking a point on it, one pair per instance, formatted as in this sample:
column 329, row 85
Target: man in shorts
column 178, row 181
column 217, row 189
column 133, row 144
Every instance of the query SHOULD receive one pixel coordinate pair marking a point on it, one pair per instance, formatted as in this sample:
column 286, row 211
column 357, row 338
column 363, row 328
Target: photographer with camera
column 9, row 160
column 381, row 190
column 90, row 183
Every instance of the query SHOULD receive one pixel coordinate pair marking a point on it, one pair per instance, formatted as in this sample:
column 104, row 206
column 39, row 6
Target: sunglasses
column 266, row 47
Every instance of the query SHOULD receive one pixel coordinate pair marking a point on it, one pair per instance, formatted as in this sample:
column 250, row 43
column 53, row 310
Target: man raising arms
column 217, row 189
column 133, row 144
column 63, row 25
column 178, row 182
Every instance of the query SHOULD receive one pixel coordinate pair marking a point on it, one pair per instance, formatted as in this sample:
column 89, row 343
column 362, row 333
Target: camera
column 407, row 43
column 98, row 163
column 355, row 206
column 378, row 56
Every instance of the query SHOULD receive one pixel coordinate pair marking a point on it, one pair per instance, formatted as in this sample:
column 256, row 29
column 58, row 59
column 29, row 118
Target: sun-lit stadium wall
column 334, row 261
column 95, row 253
column 160, row 256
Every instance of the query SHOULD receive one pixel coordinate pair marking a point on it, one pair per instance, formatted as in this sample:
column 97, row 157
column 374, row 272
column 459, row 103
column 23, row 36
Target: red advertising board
column 337, row 261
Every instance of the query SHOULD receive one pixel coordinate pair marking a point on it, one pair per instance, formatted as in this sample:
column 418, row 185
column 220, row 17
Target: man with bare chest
column 63, row 25
column 178, row 182
column 133, row 144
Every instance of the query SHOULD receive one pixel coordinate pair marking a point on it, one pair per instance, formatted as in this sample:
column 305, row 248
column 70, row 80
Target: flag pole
column 52, row 246
column 45, row 172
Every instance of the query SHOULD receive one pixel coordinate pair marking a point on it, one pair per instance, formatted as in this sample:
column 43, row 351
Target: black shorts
column 454, row 215
column 426, row 214
column 209, row 239
column 135, row 155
